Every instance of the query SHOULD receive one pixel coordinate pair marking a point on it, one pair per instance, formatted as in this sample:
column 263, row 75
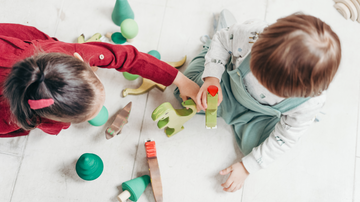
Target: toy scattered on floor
column 133, row 189
column 146, row 86
column 129, row 29
column 89, row 166
column 101, row 118
column 121, row 12
column 212, row 105
column 178, row 64
column 95, row 37
column 120, row 120
column 173, row 119
column 116, row 37
column 348, row 9
column 154, row 169
column 129, row 76
column 155, row 53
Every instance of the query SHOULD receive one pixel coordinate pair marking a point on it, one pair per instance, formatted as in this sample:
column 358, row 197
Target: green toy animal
column 173, row 119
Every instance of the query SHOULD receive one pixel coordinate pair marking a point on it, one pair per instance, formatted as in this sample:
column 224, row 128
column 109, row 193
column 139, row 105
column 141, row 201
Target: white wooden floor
column 324, row 166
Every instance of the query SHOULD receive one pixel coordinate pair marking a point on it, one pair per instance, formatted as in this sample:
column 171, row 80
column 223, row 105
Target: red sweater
column 18, row 42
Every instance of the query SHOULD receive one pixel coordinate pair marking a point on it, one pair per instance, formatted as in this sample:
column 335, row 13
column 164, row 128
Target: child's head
column 297, row 56
column 77, row 92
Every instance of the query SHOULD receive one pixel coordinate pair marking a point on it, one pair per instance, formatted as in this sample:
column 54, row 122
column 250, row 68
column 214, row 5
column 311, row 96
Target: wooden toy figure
column 121, row 12
column 120, row 120
column 95, row 37
column 154, row 170
column 101, row 118
column 212, row 105
column 133, row 189
column 147, row 84
column 173, row 119
column 89, row 166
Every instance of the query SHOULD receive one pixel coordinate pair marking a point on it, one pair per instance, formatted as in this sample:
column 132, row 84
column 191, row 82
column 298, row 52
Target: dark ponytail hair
column 63, row 78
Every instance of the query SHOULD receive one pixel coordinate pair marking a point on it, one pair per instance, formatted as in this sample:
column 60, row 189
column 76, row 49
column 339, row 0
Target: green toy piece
column 173, row 119
column 95, row 37
column 212, row 105
column 101, row 118
column 129, row 28
column 129, row 76
column 89, row 166
column 121, row 12
column 155, row 53
column 118, row 38
column 133, row 189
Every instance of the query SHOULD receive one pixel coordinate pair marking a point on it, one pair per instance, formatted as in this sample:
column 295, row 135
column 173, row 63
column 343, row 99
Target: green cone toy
column 89, row 166
column 134, row 188
column 121, row 12
column 101, row 118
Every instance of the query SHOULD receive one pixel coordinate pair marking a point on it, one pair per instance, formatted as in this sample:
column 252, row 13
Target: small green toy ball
column 101, row 118
column 118, row 38
column 89, row 166
column 129, row 28
column 155, row 53
column 129, row 76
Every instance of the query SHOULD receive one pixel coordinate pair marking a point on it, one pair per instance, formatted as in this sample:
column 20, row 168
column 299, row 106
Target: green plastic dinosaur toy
column 212, row 105
column 173, row 119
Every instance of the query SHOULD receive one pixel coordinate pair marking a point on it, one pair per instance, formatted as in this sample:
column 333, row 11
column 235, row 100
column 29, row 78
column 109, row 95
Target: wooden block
column 351, row 7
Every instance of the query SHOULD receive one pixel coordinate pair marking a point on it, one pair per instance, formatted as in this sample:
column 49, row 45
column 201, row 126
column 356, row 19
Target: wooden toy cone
column 134, row 188
column 121, row 12
column 89, row 166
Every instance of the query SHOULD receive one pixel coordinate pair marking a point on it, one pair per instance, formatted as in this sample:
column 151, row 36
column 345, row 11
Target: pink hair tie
column 39, row 104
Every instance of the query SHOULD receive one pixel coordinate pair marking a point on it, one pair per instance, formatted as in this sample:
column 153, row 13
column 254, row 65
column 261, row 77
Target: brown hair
column 297, row 56
column 68, row 81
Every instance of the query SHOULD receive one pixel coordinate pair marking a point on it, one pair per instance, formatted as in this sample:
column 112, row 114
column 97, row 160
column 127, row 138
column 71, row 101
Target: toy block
column 120, row 120
column 212, row 105
column 133, row 189
column 146, row 86
column 121, row 12
column 154, row 170
column 89, row 166
column 173, row 119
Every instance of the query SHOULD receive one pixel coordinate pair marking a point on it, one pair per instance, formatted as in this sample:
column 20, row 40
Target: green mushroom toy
column 89, row 166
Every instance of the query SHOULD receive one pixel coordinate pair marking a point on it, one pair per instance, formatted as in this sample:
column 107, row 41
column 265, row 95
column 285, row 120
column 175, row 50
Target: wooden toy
column 348, row 9
column 89, row 166
column 121, row 12
column 129, row 76
column 95, row 37
column 116, row 37
column 129, row 29
column 155, row 53
column 212, row 105
column 173, row 119
column 154, row 169
column 178, row 64
column 133, row 189
column 120, row 120
column 146, row 86
column 101, row 118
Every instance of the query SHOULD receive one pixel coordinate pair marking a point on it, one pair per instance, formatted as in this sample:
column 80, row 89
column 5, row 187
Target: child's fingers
column 204, row 100
column 226, row 171
column 228, row 187
column 220, row 97
column 198, row 101
column 184, row 98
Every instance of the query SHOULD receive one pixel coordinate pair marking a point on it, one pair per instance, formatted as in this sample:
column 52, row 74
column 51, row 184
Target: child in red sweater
column 45, row 83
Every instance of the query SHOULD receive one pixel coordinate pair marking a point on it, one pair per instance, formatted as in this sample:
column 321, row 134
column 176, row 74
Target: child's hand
column 187, row 88
column 238, row 174
column 202, row 95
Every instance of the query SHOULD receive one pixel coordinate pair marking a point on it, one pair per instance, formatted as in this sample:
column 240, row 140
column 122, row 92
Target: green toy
column 101, row 118
column 118, row 38
column 212, row 105
column 129, row 76
column 173, row 119
column 89, row 166
column 121, row 12
column 95, row 37
column 129, row 28
column 134, row 188
column 155, row 53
